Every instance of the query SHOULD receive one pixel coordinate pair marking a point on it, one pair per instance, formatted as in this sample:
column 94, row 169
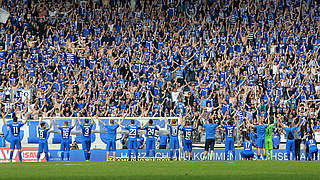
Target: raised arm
column 4, row 118
column 40, row 121
column 78, row 119
column 165, row 119
column 25, row 122
column 143, row 126
column 55, row 122
column 280, row 123
column 100, row 121
column 91, row 120
column 249, row 124
column 120, row 123
column 121, row 120
column 75, row 123
column 300, row 123
column 50, row 124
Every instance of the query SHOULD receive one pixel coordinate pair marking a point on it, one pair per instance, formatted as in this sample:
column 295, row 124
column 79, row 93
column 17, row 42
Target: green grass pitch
column 162, row 170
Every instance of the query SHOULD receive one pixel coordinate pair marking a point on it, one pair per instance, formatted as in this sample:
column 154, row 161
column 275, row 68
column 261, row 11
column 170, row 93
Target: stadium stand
column 207, row 59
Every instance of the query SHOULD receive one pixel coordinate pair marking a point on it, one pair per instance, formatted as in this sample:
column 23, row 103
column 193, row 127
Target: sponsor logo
column 29, row 154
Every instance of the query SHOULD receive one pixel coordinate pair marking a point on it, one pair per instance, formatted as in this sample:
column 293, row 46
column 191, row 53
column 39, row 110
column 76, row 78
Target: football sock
column 85, row 155
column 136, row 154
column 171, row 154
column 47, row 156
column 148, row 153
column 153, row 153
column 211, row 156
column 20, row 156
column 177, row 154
column 129, row 152
column 11, row 155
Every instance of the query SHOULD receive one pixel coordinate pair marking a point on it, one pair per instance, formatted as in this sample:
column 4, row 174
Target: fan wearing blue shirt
column 187, row 140
column 65, row 135
column 151, row 129
column 43, row 139
column 132, row 140
column 86, row 129
column 290, row 131
column 14, row 128
column 313, row 149
column 174, row 140
column 229, row 143
column 111, row 136
column 210, row 129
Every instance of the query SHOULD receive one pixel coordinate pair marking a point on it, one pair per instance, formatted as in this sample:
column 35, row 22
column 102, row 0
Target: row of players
column 264, row 138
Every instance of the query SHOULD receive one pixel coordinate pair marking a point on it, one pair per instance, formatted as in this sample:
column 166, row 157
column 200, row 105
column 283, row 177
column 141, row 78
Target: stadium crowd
column 206, row 59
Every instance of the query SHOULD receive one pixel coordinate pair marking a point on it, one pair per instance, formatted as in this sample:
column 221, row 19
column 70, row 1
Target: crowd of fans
column 203, row 59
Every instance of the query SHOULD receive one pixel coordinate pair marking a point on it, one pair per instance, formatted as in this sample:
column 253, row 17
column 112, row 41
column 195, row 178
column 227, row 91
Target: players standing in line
column 150, row 141
column 65, row 135
column 15, row 127
column 174, row 140
column 187, row 139
column 247, row 153
column 261, row 135
column 132, row 140
column 313, row 149
column 43, row 139
column 268, row 140
column 229, row 142
column 111, row 136
column 210, row 129
column 290, row 145
column 86, row 129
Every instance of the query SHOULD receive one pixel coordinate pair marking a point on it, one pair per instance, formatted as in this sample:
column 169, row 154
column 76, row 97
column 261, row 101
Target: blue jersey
column 187, row 133
column 163, row 139
column 150, row 130
column 229, row 131
column 86, row 130
column 261, row 130
column 15, row 128
column 312, row 144
column 133, row 131
column 112, row 131
column 247, row 145
column 210, row 130
column 174, row 130
column 288, row 130
column 43, row 134
column 65, row 132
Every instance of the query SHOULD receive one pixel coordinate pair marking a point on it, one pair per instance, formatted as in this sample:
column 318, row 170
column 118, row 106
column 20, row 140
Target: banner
column 22, row 93
column 163, row 155
column 4, row 15
column 29, row 154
